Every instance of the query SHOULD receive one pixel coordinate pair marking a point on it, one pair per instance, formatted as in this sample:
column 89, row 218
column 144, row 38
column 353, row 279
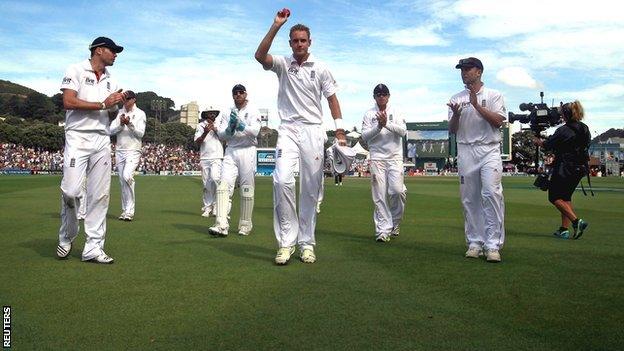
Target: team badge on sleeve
column 66, row 80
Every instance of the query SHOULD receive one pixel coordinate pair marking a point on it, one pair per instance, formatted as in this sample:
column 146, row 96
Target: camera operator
column 569, row 143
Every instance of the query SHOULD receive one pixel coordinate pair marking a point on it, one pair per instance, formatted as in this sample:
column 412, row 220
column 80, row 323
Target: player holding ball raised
column 303, row 80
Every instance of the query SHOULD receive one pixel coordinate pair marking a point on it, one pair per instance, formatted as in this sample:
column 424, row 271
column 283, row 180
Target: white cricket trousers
column 297, row 144
column 211, row 174
column 238, row 162
column 389, row 194
column 480, row 172
column 127, row 162
column 86, row 155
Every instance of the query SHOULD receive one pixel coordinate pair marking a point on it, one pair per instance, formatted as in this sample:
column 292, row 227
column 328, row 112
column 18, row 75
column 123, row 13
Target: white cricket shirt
column 249, row 136
column 211, row 148
column 81, row 78
column 301, row 87
column 474, row 129
column 385, row 143
column 129, row 136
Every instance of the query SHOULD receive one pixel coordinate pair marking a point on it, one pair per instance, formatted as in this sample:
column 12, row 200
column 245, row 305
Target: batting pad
column 247, row 204
column 223, row 203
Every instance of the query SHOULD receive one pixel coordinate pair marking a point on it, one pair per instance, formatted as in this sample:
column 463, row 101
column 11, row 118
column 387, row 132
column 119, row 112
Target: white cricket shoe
column 493, row 256
column 62, row 251
column 382, row 238
column 101, row 259
column 395, row 231
column 122, row 216
column 244, row 230
column 128, row 218
column 308, row 256
column 217, row 230
column 474, row 252
column 318, row 207
column 283, row 254
column 206, row 213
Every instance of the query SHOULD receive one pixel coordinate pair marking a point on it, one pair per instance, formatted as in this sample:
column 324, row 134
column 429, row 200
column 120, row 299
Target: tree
column 14, row 106
column 10, row 133
column 175, row 133
column 144, row 102
column 38, row 106
column 43, row 135
column 57, row 100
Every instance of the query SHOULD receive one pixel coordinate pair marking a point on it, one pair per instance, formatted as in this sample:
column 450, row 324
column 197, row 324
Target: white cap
column 343, row 157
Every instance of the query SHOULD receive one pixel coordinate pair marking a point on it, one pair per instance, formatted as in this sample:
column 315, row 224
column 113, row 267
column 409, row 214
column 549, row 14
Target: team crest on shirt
column 461, row 180
column 89, row 81
column 312, row 75
column 66, row 80
column 108, row 86
column 278, row 153
column 293, row 70
column 72, row 162
column 390, row 117
column 483, row 103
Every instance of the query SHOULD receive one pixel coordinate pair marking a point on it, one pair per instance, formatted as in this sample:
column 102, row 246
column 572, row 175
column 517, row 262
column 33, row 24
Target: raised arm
column 262, row 53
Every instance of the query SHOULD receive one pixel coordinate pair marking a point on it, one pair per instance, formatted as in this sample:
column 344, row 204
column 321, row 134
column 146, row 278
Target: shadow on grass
column 187, row 213
column 229, row 246
column 46, row 247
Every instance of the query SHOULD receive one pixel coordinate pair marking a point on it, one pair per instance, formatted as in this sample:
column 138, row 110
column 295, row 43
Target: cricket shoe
column 562, row 234
column 493, row 256
column 474, row 252
column 206, row 213
column 245, row 231
column 318, row 207
column 307, row 255
column 218, row 231
column 62, row 251
column 579, row 228
column 128, row 218
column 122, row 217
column 101, row 259
column 283, row 255
column 395, row 231
column 382, row 238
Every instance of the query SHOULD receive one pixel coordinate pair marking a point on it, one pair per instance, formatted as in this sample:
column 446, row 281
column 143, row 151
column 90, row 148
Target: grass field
column 173, row 286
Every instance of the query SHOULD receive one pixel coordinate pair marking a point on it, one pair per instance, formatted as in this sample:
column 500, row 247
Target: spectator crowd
column 155, row 158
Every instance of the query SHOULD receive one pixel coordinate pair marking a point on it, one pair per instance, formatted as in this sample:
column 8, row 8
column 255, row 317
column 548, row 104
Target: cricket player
column 475, row 117
column 303, row 80
column 240, row 132
column 129, row 126
column 89, row 91
column 383, row 129
column 211, row 158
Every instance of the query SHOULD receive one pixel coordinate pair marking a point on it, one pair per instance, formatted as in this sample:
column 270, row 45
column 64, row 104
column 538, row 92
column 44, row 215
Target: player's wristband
column 338, row 123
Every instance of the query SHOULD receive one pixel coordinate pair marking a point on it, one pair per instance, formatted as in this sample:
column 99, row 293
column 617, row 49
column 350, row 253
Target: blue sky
column 197, row 50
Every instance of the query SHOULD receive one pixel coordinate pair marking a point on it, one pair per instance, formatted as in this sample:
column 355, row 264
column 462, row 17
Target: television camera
column 539, row 118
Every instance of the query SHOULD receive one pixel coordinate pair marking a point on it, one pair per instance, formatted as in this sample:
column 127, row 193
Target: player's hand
column 382, row 119
column 473, row 94
column 114, row 99
column 208, row 127
column 341, row 136
column 538, row 141
column 123, row 119
column 455, row 107
column 282, row 16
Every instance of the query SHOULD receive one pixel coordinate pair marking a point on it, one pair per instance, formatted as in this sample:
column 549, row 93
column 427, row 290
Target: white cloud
column 517, row 77
column 415, row 36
